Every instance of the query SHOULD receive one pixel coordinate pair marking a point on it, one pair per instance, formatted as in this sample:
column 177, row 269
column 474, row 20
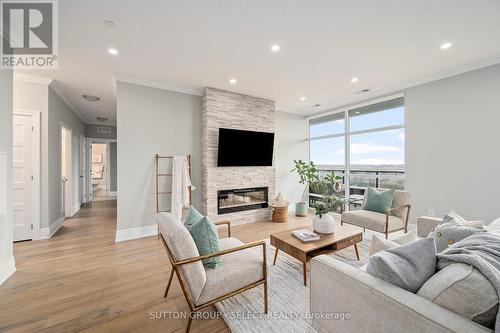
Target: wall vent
column 103, row 129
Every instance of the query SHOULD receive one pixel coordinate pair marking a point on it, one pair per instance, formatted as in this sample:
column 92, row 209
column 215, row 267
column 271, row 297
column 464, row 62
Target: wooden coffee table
column 345, row 236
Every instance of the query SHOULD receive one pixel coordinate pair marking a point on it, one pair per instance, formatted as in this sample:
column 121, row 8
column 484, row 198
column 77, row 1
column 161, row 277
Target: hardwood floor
column 80, row 280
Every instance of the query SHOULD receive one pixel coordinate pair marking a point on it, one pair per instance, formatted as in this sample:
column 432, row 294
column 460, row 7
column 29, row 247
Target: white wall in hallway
column 7, row 262
column 39, row 96
column 152, row 121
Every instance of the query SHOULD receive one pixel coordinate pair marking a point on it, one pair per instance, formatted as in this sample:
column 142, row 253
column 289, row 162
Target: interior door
column 83, row 193
column 22, row 175
column 89, row 173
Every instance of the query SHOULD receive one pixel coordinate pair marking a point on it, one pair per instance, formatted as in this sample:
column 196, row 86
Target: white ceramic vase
column 324, row 224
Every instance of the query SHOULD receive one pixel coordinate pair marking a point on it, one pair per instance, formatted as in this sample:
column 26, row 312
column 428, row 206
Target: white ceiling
column 190, row 44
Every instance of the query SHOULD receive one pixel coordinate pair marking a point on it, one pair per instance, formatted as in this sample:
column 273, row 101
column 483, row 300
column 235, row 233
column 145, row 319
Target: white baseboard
column 113, row 194
column 7, row 268
column 135, row 233
column 76, row 208
column 52, row 229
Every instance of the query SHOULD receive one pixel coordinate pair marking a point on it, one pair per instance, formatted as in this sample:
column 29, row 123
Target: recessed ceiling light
column 91, row 98
column 303, row 98
column 109, row 23
column 445, row 46
column 275, row 48
column 232, row 81
column 357, row 112
column 101, row 118
column 354, row 79
column 113, row 51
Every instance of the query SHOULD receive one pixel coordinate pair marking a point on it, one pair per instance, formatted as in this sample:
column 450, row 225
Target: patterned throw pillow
column 450, row 231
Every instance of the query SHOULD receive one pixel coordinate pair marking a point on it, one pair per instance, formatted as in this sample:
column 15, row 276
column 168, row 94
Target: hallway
column 80, row 279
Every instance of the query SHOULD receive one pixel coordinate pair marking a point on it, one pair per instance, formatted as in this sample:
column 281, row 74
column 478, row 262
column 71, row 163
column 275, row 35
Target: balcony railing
column 359, row 181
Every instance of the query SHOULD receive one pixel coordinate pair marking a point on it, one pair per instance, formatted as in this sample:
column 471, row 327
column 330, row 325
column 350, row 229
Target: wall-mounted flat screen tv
column 245, row 148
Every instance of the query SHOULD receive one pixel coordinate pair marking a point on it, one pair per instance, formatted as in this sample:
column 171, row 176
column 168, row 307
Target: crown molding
column 56, row 87
column 32, row 79
column 395, row 88
column 155, row 84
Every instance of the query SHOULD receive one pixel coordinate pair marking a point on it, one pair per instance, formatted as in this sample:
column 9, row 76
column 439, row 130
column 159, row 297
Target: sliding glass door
column 365, row 146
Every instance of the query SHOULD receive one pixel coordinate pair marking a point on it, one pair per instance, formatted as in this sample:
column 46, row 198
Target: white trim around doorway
column 68, row 206
column 107, row 142
column 36, row 234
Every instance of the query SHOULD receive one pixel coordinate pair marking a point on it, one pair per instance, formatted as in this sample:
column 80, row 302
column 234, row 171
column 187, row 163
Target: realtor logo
column 29, row 31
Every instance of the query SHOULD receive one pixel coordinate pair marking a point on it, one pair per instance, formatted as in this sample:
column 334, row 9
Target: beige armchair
column 241, row 267
column 395, row 219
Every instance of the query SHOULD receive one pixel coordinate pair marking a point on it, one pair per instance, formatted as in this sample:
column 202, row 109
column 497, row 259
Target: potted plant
column 335, row 181
column 307, row 173
column 324, row 223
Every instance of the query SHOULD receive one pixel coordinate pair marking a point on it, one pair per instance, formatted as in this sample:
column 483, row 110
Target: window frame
column 347, row 134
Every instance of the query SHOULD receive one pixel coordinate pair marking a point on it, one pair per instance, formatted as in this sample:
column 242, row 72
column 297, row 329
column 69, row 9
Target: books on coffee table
column 305, row 235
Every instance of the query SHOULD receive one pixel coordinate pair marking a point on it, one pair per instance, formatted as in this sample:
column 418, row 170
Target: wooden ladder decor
column 158, row 175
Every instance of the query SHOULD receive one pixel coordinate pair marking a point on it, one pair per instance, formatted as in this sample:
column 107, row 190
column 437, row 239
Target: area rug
column 288, row 297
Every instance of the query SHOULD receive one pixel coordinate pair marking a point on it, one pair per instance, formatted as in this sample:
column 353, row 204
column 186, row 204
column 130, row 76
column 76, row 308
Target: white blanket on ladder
column 181, row 185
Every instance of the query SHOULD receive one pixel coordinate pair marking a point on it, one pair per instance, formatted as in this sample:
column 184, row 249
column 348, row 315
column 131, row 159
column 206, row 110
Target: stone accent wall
column 224, row 109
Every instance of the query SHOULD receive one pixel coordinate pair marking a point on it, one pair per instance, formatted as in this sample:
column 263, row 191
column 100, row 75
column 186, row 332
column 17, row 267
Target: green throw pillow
column 204, row 234
column 379, row 201
column 192, row 217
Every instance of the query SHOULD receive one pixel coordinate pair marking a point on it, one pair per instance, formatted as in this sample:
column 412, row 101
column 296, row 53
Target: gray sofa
column 374, row 305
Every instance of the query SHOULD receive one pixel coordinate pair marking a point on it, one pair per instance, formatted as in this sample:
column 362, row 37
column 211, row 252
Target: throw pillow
column 494, row 226
column 205, row 236
column 450, row 231
column 458, row 218
column 378, row 201
column 407, row 266
column 378, row 243
column 193, row 216
column 464, row 290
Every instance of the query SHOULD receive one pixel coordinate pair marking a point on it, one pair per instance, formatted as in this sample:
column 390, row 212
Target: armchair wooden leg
column 266, row 298
column 157, row 232
column 169, row 282
column 386, row 235
column 190, row 320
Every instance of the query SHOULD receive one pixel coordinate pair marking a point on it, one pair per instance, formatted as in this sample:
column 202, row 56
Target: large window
column 363, row 145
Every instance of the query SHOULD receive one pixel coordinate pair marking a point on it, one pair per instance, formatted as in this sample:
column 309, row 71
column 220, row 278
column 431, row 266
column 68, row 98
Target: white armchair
column 241, row 267
column 395, row 219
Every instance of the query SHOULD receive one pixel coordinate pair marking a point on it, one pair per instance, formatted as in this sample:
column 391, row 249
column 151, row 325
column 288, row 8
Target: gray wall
column 42, row 98
column 6, row 253
column 452, row 145
column 291, row 143
column 91, row 132
column 35, row 97
column 170, row 124
column 59, row 112
column 112, row 167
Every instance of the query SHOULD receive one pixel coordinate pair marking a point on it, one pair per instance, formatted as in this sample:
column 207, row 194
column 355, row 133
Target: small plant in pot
column 307, row 173
column 323, row 222
column 335, row 181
